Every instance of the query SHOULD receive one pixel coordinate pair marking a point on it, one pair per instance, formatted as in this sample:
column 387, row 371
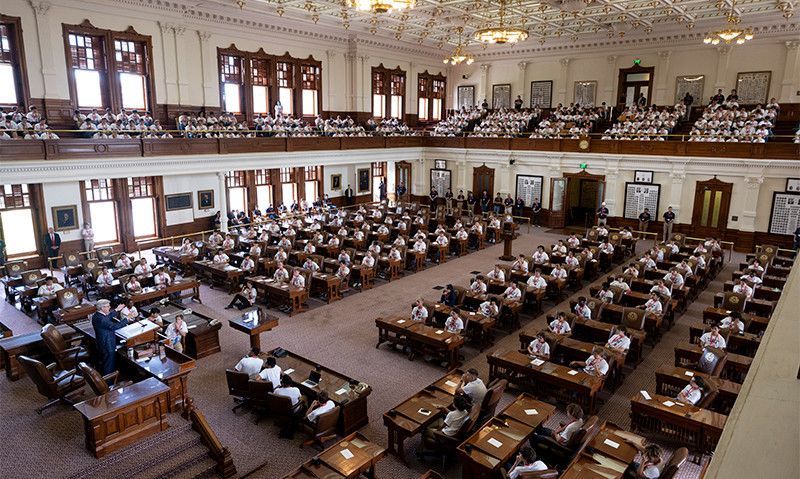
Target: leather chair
column 324, row 429
column 257, row 396
column 281, row 410
column 493, row 395
column 445, row 445
column 674, row 463
column 733, row 301
column 98, row 383
column 561, row 454
column 238, row 387
column 55, row 385
column 67, row 354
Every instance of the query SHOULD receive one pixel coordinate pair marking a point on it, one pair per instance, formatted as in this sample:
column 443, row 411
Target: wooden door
column 402, row 174
column 635, row 80
column 483, row 179
column 712, row 202
column 558, row 200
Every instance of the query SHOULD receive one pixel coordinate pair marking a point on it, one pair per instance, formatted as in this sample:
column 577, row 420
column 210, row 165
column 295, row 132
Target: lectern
column 508, row 237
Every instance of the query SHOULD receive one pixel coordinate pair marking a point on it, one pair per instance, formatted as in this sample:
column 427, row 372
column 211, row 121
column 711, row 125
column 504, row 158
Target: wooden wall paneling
column 312, row 143
column 487, row 143
column 357, row 142
column 83, row 148
column 251, row 145
column 180, row 146
column 402, row 141
column 22, row 150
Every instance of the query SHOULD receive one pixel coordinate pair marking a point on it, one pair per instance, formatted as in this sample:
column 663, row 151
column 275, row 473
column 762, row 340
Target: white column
column 223, row 201
column 461, row 176
column 331, row 94
column 523, row 91
column 675, row 194
column 411, row 90
column 365, row 99
column 53, row 88
column 723, row 56
column 484, row 85
column 662, row 70
column 181, row 74
column 608, row 91
column 612, row 173
column 747, row 220
column 169, row 54
column 563, row 78
column 791, row 78
column 208, row 71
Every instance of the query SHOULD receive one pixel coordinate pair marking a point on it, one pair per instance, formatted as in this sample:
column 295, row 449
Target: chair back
column 617, row 293
column 104, row 254
column 592, row 235
column 674, row 463
column 280, row 406
column 259, row 390
column 615, row 238
column 15, row 268
column 679, row 238
column 68, row 297
column 633, row 318
column 95, row 381
column 31, row 277
column 733, row 301
column 71, row 259
column 594, row 305
column 90, row 266
column 492, row 397
column 460, row 293
column 40, row 375
column 326, row 423
column 583, row 433
column 238, row 383
column 54, row 340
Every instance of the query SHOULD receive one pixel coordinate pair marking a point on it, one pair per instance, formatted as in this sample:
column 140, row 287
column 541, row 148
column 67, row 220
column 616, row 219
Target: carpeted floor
column 341, row 336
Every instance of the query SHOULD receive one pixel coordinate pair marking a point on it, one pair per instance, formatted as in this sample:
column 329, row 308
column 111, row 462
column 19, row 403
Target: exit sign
column 637, row 62
column 584, row 166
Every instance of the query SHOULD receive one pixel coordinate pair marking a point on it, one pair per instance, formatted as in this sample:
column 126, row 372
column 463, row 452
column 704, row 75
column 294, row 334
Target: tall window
column 231, row 80
column 13, row 77
column 431, row 91
column 259, row 77
column 285, row 77
column 264, row 191
column 310, row 82
column 388, row 92
column 237, row 190
column 108, row 68
column 311, row 185
column 141, row 192
column 102, row 209
column 288, row 186
column 16, row 217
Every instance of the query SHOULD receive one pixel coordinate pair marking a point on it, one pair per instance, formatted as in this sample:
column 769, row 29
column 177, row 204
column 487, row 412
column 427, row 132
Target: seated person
column 512, row 293
column 105, row 278
column 595, row 365
column 452, row 422
column 188, row 248
column 245, row 298
column 571, row 261
column 743, row 288
column 650, row 465
column 472, row 386
column 142, row 268
column 712, row 339
column 520, row 264
column 653, row 305
column 693, row 392
column 558, row 273
column 454, row 323
column 124, row 262
column 564, row 432
column 162, row 279
column 605, row 294
column 448, row 297
column 619, row 282
column 539, row 347
column 489, row 308
column 674, row 278
column 250, row 364
column 525, row 461
column 582, row 309
column 419, row 312
column 289, row 390
column 536, row 280
column 281, row 274
column 619, row 340
column 248, row 265
column 229, row 243
column 133, row 285
column 478, row 286
column 220, row 257
column 298, row 280
column 49, row 288
column 368, row 261
column 176, row 333
column 154, row 315
column 752, row 277
column 420, row 246
column 560, row 324
column 496, row 274
column 319, row 406
column 733, row 322
column 661, row 289
column 310, row 265
column 343, row 272
column 539, row 256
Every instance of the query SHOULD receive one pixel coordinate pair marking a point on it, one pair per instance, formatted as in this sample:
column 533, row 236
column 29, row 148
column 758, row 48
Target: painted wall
column 191, row 183
column 63, row 194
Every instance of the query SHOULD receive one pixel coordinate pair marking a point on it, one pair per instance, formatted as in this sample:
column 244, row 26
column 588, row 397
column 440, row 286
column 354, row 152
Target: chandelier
column 501, row 33
column 382, row 6
column 730, row 34
column 459, row 55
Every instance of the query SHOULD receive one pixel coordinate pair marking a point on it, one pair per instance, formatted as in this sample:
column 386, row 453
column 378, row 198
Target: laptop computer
column 314, row 377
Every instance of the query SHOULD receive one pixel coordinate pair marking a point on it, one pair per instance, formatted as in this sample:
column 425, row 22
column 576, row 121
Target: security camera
column 465, row 76
column 511, row 161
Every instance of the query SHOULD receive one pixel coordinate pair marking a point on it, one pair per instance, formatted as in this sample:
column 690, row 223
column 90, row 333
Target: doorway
column 402, row 174
column 633, row 82
column 483, row 179
column 712, row 202
column 575, row 198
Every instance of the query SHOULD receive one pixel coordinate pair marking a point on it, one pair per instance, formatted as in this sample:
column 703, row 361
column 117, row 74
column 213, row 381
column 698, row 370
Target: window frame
column 110, row 82
column 111, row 192
column 144, row 187
column 18, row 63
column 387, row 87
column 425, row 89
column 23, row 194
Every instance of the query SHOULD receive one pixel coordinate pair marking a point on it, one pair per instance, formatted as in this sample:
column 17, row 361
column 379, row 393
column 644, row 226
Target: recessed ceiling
column 435, row 22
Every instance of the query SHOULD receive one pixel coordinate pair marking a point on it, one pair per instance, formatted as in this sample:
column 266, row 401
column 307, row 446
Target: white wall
column 349, row 176
column 191, row 184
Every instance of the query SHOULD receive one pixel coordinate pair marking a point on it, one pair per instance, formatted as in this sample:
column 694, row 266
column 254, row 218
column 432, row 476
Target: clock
column 583, row 144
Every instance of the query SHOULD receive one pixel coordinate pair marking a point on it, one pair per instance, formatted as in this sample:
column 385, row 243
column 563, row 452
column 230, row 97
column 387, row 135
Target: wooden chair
column 733, row 301
column 257, row 392
column 674, row 463
column 323, row 430
column 679, row 238
column 561, row 454
column 238, row 387
column 55, row 385
column 491, row 399
column 281, row 410
column 445, row 445
column 98, row 383
column 67, row 354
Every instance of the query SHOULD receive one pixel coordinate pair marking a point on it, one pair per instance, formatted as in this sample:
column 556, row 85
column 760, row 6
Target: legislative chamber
column 530, row 239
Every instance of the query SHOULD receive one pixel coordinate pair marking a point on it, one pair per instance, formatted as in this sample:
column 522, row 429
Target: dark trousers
column 240, row 302
column 540, row 435
column 107, row 361
column 53, row 253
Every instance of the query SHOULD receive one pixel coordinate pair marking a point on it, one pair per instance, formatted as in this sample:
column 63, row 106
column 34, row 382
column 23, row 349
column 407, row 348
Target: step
column 179, row 465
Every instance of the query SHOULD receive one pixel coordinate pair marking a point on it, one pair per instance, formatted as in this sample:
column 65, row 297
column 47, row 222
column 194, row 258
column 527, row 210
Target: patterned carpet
column 342, row 336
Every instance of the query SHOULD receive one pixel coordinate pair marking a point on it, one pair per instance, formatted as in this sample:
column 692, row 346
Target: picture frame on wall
column 466, row 96
column 363, row 180
column 793, row 185
column 441, row 181
column 65, row 218
column 643, row 176
column 178, row 201
column 753, row 87
column 585, row 93
column 542, row 94
column 205, row 199
column 691, row 84
column 501, row 96
column 336, row 182
column 440, row 164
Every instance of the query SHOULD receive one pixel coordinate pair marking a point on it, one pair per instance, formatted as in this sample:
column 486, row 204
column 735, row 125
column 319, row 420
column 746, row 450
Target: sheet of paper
column 288, row 371
column 341, row 392
column 191, row 327
column 451, row 384
column 572, row 372
column 401, row 321
column 645, row 395
column 440, row 332
column 357, row 443
column 689, row 373
column 494, row 442
column 610, row 443
column 668, row 403
column 531, row 412
column 347, row 454
column 537, row 362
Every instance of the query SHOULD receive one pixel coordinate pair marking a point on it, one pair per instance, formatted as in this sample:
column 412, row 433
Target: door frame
column 398, row 167
column 623, row 74
column 479, row 171
column 713, row 184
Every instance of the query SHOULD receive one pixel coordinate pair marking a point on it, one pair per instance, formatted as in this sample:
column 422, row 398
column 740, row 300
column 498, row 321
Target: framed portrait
column 363, row 180
column 585, row 92
column 793, row 185
column 441, row 181
column 691, row 84
column 542, row 94
column 336, row 182
column 753, row 87
column 65, row 218
column 178, row 201
column 641, row 176
column 466, row 96
column 501, row 96
column 205, row 199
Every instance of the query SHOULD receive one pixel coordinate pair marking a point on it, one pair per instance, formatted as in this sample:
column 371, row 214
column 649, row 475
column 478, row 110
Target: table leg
column 255, row 340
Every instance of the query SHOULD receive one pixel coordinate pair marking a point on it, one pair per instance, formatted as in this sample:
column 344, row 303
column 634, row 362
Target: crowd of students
column 645, row 124
column 728, row 122
column 16, row 124
column 573, row 121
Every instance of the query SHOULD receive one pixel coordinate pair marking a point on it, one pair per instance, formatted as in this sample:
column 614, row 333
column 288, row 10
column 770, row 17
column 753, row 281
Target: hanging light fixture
column 501, row 33
column 459, row 55
column 732, row 33
column 382, row 6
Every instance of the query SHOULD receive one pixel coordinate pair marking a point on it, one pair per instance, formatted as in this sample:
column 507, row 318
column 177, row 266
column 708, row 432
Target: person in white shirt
column 220, row 257
column 619, row 283
column 419, row 312
column 512, row 292
column 311, row 265
column 558, row 273
column 539, row 347
column 229, row 243
column 560, row 324
column 605, row 294
column 563, row 434
column 394, row 254
column 631, row 271
column 319, row 407
column 310, row 248
column 289, row 390
column 298, row 280
column 343, row 272
column 49, row 288
column 281, row 274
column 651, row 464
column 472, row 386
column 571, row 261
column 489, row 308
column 368, row 260
column 105, row 278
column 248, row 264
column 272, row 373
column 573, row 241
column 399, row 241
column 607, row 248
column 187, row 248
column 496, row 274
column 250, row 364
column 653, row 305
column 661, row 289
column 176, row 333
column 454, row 324
column 215, row 238
column 536, row 280
column 420, row 246
column 619, row 340
column 281, row 255
column 559, row 249
column 478, row 286
column 525, row 461
column 582, row 309
column 344, row 257
column 648, row 262
column 733, row 322
column 596, row 364
column 123, row 262
column 462, row 234
column 674, row 278
column 540, row 257
column 693, row 392
column 453, row 421
column 245, row 298
column 712, row 339
column 743, row 288
column 133, row 285
column 753, row 278
column 520, row 264
column 162, row 279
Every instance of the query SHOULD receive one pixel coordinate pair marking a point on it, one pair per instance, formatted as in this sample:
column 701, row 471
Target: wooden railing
column 219, row 453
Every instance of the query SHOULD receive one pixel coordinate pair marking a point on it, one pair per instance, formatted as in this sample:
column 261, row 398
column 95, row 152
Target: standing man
column 88, row 237
column 518, row 103
column 52, row 246
column 433, row 196
column 448, row 201
column 536, row 208
column 485, row 200
column 400, row 191
column 460, row 202
column 796, row 244
column 519, row 206
column 349, row 198
column 382, row 189
column 105, row 322
column 644, row 218
column 602, row 214
column 498, row 204
column 669, row 218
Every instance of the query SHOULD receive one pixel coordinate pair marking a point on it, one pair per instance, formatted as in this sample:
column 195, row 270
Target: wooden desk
column 326, row 286
column 600, row 459
column 696, row 428
column 420, row 339
column 173, row 370
column 364, row 276
column 74, row 313
column 332, row 464
column 498, row 441
column 599, row 332
column 744, row 344
column 203, row 337
column 405, row 421
column 173, row 257
column 545, row 379
column 759, row 291
column 353, row 406
column 758, row 307
column 253, row 323
column 222, row 275
column 735, row 367
column 123, row 416
column 390, row 269
column 670, row 380
column 757, row 324
column 281, row 294
column 30, row 344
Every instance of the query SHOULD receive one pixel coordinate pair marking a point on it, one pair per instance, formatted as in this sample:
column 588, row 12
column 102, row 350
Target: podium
column 508, row 238
column 141, row 332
